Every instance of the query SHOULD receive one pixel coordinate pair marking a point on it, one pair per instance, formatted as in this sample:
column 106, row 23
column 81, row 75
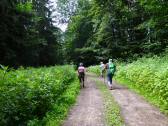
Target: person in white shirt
column 102, row 69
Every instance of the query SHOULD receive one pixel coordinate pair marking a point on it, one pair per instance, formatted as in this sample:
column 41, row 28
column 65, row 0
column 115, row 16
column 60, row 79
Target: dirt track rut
column 89, row 110
column 135, row 110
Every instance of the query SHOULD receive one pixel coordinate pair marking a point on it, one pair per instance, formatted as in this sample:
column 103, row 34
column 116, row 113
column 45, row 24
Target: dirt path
column 135, row 110
column 88, row 110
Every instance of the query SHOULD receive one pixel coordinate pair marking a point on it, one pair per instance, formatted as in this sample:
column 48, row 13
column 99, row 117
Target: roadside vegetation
column 36, row 96
column 147, row 76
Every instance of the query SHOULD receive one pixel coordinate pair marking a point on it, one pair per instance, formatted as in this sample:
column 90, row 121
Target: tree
column 117, row 29
column 27, row 35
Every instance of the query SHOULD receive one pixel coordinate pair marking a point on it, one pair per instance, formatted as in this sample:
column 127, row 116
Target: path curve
column 89, row 109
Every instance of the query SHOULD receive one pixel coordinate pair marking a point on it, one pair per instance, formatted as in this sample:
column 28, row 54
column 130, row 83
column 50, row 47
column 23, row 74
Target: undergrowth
column 36, row 96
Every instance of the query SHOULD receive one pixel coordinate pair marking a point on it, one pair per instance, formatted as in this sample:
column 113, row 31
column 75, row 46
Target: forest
column 43, row 41
column 96, row 30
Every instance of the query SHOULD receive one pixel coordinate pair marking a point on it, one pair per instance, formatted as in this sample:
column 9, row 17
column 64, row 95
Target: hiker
column 81, row 73
column 102, row 69
column 111, row 68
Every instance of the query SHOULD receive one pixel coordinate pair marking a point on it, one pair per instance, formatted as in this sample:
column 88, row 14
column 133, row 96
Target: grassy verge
column 63, row 105
column 112, row 109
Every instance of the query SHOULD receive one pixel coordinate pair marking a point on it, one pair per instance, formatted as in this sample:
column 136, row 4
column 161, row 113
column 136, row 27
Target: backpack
column 111, row 68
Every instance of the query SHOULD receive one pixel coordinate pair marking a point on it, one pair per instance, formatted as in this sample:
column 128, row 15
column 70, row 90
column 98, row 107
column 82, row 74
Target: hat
column 110, row 60
column 81, row 64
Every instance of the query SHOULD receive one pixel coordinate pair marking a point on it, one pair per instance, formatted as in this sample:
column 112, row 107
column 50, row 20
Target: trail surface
column 89, row 110
column 135, row 110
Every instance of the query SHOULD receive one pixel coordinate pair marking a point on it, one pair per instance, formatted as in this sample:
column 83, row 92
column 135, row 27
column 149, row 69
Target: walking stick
column 104, row 76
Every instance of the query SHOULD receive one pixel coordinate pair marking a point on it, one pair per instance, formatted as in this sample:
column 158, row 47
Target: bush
column 94, row 69
column 29, row 94
column 148, row 76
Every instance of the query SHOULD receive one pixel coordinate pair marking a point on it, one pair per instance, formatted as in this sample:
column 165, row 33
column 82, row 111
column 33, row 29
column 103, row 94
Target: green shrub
column 94, row 69
column 149, row 77
column 29, row 94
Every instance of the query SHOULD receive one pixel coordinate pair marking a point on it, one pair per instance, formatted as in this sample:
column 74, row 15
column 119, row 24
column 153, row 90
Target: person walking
column 81, row 74
column 111, row 68
column 102, row 69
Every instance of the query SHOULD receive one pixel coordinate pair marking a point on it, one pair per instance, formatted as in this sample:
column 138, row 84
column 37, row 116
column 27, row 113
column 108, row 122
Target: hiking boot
column 111, row 88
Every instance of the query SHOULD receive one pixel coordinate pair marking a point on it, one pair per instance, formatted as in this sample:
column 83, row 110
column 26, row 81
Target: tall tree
column 27, row 34
column 117, row 29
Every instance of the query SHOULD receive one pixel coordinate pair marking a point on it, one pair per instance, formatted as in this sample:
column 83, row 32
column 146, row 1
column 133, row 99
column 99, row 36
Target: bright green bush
column 94, row 69
column 150, row 77
column 30, row 94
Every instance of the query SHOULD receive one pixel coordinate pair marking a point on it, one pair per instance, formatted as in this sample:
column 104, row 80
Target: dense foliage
column 149, row 77
column 100, row 29
column 97, row 30
column 94, row 69
column 36, row 96
column 27, row 34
